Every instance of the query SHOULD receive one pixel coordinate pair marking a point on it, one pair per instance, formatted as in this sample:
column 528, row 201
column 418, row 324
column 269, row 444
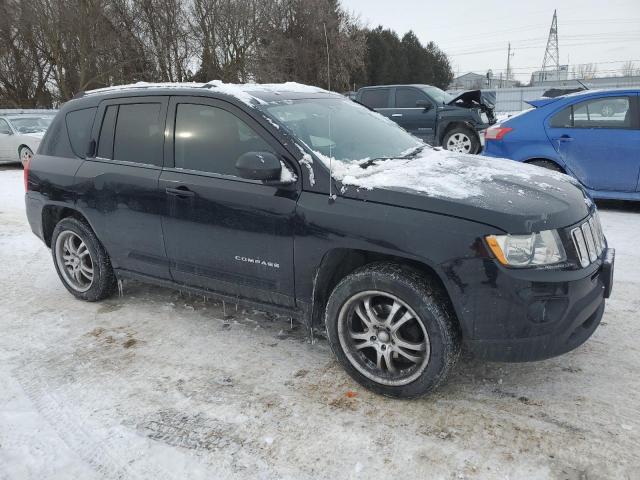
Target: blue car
column 591, row 135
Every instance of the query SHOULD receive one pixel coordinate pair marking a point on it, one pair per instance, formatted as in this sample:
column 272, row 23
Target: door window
column 210, row 139
column 608, row 112
column 138, row 136
column 376, row 98
column 79, row 123
column 407, row 97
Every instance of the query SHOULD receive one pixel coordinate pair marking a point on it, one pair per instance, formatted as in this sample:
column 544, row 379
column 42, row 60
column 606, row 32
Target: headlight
column 543, row 248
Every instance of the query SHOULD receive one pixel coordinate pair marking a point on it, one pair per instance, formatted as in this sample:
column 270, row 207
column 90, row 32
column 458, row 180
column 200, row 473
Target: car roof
column 586, row 93
column 249, row 93
column 417, row 85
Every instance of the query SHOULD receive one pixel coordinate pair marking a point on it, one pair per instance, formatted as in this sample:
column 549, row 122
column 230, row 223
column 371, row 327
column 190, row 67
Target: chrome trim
column 589, row 240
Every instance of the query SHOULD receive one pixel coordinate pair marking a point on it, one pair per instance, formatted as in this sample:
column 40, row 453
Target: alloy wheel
column 459, row 142
column 25, row 155
column 383, row 338
column 74, row 261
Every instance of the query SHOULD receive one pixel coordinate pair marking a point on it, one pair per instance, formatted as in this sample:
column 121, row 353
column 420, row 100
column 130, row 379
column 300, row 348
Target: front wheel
column 81, row 261
column 392, row 329
column 25, row 154
column 461, row 140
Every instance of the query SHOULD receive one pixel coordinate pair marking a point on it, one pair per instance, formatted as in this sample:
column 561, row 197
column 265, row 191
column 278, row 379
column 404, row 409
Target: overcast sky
column 475, row 34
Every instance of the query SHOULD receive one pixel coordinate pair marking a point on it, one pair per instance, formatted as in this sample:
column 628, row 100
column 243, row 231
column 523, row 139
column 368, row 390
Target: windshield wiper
column 412, row 153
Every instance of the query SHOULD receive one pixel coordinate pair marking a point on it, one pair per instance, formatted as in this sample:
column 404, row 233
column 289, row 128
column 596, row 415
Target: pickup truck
column 456, row 123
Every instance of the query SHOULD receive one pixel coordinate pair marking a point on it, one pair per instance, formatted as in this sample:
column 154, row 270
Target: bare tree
column 585, row 71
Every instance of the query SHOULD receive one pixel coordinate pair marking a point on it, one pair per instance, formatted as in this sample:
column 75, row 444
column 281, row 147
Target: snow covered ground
column 162, row 386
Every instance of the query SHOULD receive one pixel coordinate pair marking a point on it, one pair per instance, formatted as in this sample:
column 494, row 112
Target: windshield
column 342, row 129
column 437, row 95
column 31, row 124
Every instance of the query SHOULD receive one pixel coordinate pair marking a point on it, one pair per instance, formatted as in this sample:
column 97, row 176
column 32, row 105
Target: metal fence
column 21, row 111
column 514, row 99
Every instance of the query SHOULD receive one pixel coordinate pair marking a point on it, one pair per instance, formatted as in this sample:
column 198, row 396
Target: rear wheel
column 548, row 164
column 461, row 140
column 392, row 330
column 81, row 261
column 25, row 155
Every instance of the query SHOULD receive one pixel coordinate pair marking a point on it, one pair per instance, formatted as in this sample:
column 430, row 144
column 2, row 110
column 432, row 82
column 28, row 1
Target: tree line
column 50, row 50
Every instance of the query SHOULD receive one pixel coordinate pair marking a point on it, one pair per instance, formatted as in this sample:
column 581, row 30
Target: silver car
column 20, row 135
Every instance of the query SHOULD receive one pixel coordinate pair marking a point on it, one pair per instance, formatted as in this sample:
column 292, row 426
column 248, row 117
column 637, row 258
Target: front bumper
column 517, row 315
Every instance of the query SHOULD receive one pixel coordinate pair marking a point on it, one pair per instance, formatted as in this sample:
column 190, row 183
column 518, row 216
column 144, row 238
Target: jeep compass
column 298, row 201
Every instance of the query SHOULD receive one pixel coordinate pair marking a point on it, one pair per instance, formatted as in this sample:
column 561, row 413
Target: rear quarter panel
column 527, row 141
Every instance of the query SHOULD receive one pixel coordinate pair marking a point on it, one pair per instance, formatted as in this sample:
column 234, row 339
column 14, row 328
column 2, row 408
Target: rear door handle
column 182, row 192
column 396, row 115
column 565, row 138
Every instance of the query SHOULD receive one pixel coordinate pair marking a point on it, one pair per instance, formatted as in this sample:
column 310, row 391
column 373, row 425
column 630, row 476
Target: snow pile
column 437, row 173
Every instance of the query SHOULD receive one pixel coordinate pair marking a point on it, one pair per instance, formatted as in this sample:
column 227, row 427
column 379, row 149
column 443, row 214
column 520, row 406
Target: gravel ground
column 155, row 384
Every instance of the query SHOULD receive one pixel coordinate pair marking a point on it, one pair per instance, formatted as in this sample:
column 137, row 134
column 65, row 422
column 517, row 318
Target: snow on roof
column 241, row 91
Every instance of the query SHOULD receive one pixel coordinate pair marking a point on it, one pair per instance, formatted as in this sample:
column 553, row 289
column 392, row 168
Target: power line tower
column 551, row 55
column 509, row 55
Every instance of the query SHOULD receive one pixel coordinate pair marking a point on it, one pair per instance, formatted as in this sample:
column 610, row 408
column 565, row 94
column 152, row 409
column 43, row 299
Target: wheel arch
column 544, row 159
column 340, row 262
column 456, row 124
column 52, row 214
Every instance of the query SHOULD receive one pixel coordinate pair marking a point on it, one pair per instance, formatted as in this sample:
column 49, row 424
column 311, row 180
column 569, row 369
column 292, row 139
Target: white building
column 550, row 75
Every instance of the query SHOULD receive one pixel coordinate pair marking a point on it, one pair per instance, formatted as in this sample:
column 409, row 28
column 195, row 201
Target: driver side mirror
column 426, row 104
column 263, row 166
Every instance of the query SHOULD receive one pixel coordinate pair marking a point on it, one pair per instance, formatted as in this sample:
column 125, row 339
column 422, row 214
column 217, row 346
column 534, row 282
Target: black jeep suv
column 456, row 123
column 299, row 201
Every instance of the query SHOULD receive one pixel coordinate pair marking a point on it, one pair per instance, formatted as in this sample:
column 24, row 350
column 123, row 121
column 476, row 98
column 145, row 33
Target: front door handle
column 565, row 138
column 181, row 191
column 396, row 115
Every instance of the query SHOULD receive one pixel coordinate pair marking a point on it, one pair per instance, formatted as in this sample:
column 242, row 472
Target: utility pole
column 552, row 55
column 509, row 55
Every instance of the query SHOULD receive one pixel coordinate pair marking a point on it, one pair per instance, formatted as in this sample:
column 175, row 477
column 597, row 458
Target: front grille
column 588, row 240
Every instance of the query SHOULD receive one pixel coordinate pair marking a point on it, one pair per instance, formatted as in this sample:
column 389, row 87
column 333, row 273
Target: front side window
column 608, row 112
column 138, row 134
column 342, row 129
column 376, row 98
column 408, row 97
column 210, row 139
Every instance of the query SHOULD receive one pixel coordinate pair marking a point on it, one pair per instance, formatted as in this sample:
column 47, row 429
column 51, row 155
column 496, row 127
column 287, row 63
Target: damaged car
column 457, row 123
column 298, row 201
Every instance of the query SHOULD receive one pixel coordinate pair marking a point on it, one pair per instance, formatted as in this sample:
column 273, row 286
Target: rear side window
column 138, row 136
column 562, row 119
column 608, row 112
column 107, row 132
column 375, row 98
column 79, row 123
column 210, row 139
column 407, row 97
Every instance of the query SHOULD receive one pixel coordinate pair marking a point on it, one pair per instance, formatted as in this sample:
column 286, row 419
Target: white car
column 20, row 135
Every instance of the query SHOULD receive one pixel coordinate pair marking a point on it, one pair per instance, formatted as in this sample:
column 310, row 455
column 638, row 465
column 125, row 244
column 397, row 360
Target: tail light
column 26, row 174
column 496, row 132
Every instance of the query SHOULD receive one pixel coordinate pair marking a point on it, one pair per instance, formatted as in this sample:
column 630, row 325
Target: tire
column 89, row 255
column 548, row 164
column 461, row 140
column 430, row 330
column 25, row 154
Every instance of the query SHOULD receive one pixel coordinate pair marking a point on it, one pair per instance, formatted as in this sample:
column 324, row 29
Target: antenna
column 326, row 41
column 551, row 54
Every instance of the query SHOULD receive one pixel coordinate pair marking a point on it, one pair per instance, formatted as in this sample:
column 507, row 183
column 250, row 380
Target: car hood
column 471, row 97
column 511, row 196
column 35, row 135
